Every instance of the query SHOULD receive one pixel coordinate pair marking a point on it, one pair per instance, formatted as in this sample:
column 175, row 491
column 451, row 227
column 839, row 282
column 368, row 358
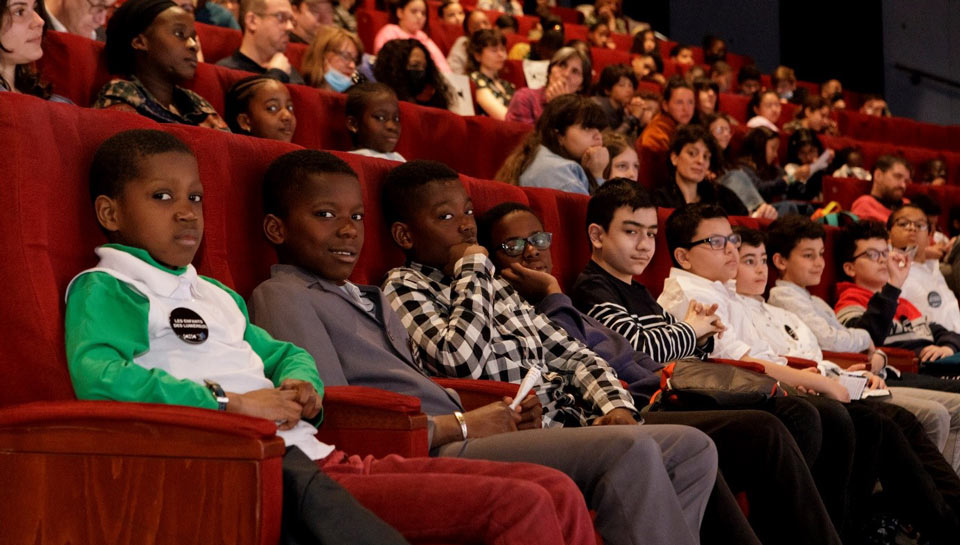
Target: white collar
column 729, row 287
column 165, row 284
column 794, row 287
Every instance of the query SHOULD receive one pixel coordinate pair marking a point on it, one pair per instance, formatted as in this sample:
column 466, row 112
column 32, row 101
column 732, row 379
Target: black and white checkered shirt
column 476, row 326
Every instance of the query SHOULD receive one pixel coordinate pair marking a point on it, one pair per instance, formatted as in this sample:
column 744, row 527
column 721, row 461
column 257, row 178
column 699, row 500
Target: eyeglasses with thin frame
column 282, row 17
column 99, row 8
column 347, row 56
column 904, row 223
column 873, row 255
column 717, row 242
column 515, row 246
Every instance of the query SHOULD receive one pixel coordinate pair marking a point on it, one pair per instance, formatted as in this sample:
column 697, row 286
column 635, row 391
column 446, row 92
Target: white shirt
column 819, row 318
column 760, row 121
column 741, row 337
column 926, row 288
column 392, row 156
column 224, row 357
column 55, row 24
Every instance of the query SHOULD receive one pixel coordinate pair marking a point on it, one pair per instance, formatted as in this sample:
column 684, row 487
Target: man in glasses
column 82, row 17
column 872, row 300
column 266, row 24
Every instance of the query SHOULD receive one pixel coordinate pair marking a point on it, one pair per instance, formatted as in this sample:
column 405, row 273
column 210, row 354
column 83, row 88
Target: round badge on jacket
column 934, row 300
column 188, row 325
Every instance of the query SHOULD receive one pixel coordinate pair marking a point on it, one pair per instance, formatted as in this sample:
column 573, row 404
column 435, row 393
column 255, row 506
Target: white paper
column 535, row 72
column 462, row 102
column 854, row 384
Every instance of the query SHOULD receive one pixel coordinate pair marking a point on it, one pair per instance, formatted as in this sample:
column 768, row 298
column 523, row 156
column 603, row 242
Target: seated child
column 939, row 412
column 925, row 286
column 373, row 119
column 876, row 275
column 143, row 326
column 705, row 252
column 261, row 106
column 624, row 162
column 358, row 339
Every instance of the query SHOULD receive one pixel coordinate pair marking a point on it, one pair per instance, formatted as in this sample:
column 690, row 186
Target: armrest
column 177, row 471
column 845, row 359
column 901, row 358
column 477, row 393
column 800, row 363
column 362, row 420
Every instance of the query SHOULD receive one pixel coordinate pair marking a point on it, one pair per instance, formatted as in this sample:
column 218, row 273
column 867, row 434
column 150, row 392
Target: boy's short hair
column 886, row 161
column 683, row 223
column 786, row 232
column 926, row 203
column 893, row 214
column 507, row 21
column 492, row 216
column 399, row 195
column 615, row 194
column 117, row 160
column 611, row 75
column 749, row 72
column 750, row 237
column 358, row 95
column 847, row 240
column 674, row 83
column 285, row 177
column 675, row 50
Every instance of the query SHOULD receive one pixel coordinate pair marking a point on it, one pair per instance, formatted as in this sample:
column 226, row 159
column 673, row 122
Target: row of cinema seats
column 147, row 463
column 846, row 190
column 473, row 145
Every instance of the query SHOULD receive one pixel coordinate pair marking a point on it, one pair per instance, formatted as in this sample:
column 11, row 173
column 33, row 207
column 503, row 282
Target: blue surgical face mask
column 337, row 80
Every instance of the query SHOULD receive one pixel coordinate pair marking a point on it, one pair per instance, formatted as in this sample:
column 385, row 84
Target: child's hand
column 460, row 251
column 765, row 211
column 934, row 251
column 307, row 396
column 616, row 417
column 933, row 352
column 270, row 403
column 532, row 285
column 874, row 382
column 703, row 320
column 280, row 62
column 530, row 411
column 595, row 159
column 898, row 265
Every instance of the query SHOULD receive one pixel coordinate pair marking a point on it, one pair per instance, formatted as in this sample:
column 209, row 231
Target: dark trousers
column 758, row 456
column 317, row 510
column 927, row 382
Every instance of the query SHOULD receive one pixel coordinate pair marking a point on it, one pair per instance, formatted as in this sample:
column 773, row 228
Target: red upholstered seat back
column 217, row 42
column 47, row 233
column 444, row 34
column 75, row 66
column 603, row 58
column 369, row 22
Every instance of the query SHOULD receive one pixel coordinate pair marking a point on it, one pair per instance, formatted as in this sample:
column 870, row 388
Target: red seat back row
column 898, row 130
column 847, row 190
column 914, row 155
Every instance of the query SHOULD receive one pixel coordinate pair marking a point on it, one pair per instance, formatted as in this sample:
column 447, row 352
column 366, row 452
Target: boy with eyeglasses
column 925, row 285
column 872, row 300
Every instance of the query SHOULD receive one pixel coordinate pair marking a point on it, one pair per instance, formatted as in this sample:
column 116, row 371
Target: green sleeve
column 106, row 327
column 281, row 360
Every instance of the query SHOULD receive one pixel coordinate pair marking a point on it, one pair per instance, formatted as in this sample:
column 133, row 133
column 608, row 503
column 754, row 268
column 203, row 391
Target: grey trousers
column 939, row 412
column 649, row 484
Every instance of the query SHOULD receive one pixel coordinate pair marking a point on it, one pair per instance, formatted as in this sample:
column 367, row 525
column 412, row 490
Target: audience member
column 407, row 19
column 694, row 73
column 331, row 60
column 21, row 38
column 749, row 80
column 373, row 120
column 624, row 162
column 832, row 91
column 648, row 67
column 82, row 17
column 890, row 178
column 261, row 106
column 598, row 35
column 510, row 7
column 806, row 163
column 459, row 57
column 210, row 12
column 723, row 75
column 677, row 109
column 851, row 160
column 644, row 106
column 784, row 81
column 507, row 24
column 720, row 127
column 549, row 27
column 645, row 42
column 451, row 12
column 609, row 12
column 613, row 93
column 765, row 107
column 488, row 53
column 266, row 24
column 152, row 45
column 409, row 70
column 693, row 152
column 714, row 49
column 933, row 172
column 707, row 98
column 344, row 15
column 875, row 106
column 309, row 18
column 565, row 151
column 682, row 55
column 814, row 114
column 568, row 73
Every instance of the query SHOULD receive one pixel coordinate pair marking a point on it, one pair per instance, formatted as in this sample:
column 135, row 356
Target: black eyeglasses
column 716, row 242
column 515, row 246
column 873, row 255
column 904, row 223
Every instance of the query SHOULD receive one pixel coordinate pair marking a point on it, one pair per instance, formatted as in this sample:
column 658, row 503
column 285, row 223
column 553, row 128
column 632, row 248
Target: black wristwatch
column 218, row 394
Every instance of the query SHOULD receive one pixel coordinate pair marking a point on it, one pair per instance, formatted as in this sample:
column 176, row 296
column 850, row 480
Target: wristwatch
column 218, row 394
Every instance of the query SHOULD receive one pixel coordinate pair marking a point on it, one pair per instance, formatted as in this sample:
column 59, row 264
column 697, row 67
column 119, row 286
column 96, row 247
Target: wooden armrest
column 477, row 393
column 845, row 359
column 800, row 363
column 901, row 358
column 184, row 475
column 362, row 420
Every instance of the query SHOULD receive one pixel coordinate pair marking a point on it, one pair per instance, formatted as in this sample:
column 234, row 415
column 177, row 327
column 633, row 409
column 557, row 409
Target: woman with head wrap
column 152, row 44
